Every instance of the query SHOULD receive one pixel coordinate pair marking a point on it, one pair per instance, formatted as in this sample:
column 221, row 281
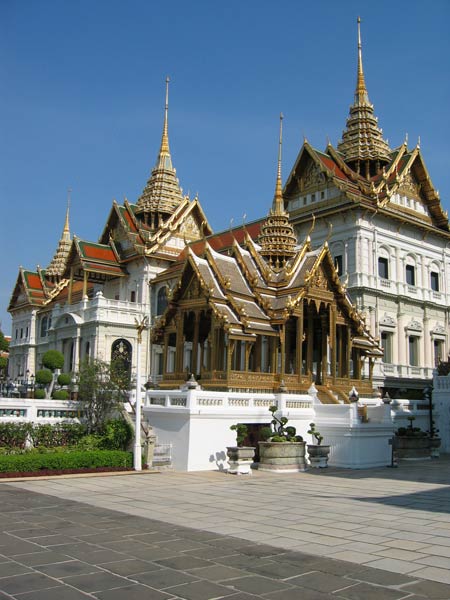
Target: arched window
column 161, row 303
column 44, row 326
column 121, row 354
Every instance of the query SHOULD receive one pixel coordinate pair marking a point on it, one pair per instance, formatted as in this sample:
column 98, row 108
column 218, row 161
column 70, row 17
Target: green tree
column 102, row 387
column 52, row 360
column 4, row 347
column 4, row 344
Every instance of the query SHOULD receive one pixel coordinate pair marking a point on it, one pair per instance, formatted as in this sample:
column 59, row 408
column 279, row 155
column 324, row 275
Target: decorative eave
column 96, row 259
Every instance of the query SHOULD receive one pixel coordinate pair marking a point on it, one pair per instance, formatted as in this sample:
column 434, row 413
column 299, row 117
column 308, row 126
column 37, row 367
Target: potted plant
column 318, row 454
column 435, row 440
column 411, row 442
column 282, row 450
column 240, row 457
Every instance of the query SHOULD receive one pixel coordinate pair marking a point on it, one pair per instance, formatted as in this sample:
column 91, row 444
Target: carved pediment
column 387, row 321
column 190, row 228
column 311, row 178
column 410, row 187
column 193, row 290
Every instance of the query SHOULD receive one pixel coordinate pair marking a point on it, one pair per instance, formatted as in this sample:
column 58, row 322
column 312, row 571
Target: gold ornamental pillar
column 70, row 286
column 333, row 341
column 85, row 284
column 299, row 341
column 324, row 349
column 309, row 341
column 195, row 344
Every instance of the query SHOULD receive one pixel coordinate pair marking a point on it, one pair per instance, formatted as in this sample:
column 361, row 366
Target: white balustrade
column 38, row 411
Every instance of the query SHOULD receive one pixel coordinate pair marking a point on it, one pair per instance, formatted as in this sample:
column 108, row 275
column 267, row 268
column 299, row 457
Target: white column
column 137, row 426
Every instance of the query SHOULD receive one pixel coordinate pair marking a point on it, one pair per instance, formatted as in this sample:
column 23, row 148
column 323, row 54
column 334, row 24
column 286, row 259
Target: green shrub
column 60, row 395
column 77, row 459
column 61, row 434
column 44, row 377
column 91, row 441
column 14, row 435
column 64, row 379
column 39, row 394
column 117, row 435
column 53, row 359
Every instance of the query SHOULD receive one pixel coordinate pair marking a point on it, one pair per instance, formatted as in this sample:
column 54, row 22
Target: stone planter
column 282, row 457
column 435, row 444
column 412, row 448
column 318, row 456
column 240, row 459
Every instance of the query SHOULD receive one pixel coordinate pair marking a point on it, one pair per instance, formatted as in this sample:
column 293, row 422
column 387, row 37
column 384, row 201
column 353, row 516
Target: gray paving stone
column 64, row 569
column 380, row 577
column 201, row 590
column 12, row 568
column 218, row 573
column 183, row 562
column 242, row 561
column 277, row 570
column 96, row 582
column 133, row 592
column 56, row 593
column 297, row 594
column 321, row 582
column 45, row 557
column 256, row 584
column 429, row 589
column 129, row 566
column 164, row 578
column 366, row 591
column 27, row 582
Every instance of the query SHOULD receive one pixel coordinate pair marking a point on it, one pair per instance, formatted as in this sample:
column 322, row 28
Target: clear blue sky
column 82, row 96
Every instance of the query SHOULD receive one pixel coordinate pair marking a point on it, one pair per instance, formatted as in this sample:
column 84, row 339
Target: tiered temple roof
column 362, row 145
column 57, row 266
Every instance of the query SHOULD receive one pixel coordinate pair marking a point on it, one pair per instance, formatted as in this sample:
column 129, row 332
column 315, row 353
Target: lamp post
column 141, row 324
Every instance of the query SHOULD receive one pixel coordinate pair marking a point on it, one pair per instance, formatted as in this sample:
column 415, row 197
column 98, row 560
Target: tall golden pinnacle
column 165, row 134
column 361, row 94
column 278, row 207
column 66, row 230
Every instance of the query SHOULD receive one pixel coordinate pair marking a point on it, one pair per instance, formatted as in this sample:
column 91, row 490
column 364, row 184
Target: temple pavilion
column 264, row 315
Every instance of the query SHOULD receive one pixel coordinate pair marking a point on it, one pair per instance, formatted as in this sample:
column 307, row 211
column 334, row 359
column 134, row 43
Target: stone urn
column 435, row 444
column 240, row 459
column 282, row 457
column 318, row 456
column 412, row 447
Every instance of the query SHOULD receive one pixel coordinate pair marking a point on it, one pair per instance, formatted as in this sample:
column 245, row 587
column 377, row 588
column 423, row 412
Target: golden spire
column 57, row 266
column 66, row 229
column 362, row 144
column 277, row 238
column 165, row 134
column 361, row 94
column 162, row 194
column 278, row 207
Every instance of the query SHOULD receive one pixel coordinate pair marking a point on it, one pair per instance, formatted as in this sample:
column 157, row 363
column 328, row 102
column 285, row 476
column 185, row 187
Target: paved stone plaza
column 358, row 535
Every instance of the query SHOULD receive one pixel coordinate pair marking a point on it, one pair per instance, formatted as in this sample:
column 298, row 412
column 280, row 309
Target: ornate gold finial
column 361, row 90
column 311, row 229
column 278, row 207
column 165, row 135
column 66, row 230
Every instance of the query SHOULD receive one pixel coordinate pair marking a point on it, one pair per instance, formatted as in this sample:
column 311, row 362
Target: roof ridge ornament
column 362, row 145
column 162, row 193
column 56, row 268
column 361, row 94
column 277, row 238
